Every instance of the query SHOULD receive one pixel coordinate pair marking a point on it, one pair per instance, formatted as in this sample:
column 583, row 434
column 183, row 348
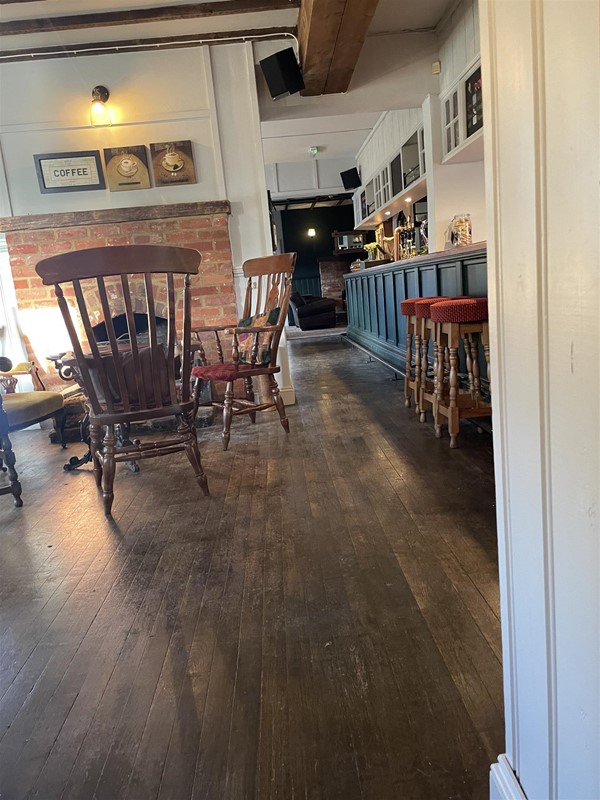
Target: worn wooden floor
column 324, row 626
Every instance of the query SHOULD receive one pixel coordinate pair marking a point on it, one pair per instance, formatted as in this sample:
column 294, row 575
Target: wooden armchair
column 129, row 379
column 19, row 410
column 254, row 341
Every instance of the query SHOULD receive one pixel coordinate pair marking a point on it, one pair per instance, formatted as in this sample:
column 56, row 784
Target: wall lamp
column 99, row 113
column 311, row 232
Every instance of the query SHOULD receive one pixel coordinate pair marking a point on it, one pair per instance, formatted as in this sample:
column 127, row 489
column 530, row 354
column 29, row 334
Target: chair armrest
column 210, row 328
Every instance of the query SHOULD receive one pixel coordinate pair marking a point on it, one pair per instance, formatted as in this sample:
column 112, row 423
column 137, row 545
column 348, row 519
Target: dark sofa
column 312, row 313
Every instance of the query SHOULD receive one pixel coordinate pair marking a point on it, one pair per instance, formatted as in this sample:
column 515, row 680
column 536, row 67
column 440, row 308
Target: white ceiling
column 396, row 16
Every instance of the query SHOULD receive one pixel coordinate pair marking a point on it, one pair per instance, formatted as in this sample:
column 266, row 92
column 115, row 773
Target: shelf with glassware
column 401, row 180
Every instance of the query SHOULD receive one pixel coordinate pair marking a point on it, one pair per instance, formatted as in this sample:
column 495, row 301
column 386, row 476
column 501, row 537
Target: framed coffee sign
column 69, row 172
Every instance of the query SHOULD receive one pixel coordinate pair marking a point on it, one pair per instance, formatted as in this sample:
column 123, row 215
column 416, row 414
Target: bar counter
column 373, row 296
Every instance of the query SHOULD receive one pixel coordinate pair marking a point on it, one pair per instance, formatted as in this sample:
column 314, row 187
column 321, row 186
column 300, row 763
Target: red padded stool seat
column 462, row 319
column 413, row 335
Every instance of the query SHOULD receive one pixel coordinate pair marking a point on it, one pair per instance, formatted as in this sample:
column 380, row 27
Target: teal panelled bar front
column 373, row 296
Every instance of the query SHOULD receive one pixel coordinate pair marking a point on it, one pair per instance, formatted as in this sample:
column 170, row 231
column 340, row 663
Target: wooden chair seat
column 26, row 408
column 230, row 371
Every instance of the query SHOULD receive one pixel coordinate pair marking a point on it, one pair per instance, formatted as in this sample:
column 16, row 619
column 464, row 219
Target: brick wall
column 332, row 273
column 213, row 293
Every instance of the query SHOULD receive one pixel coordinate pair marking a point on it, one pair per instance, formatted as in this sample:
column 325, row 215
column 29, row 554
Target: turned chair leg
column 250, row 396
column 10, row 459
column 108, row 468
column 185, row 425
column 227, row 414
column 279, row 404
column 94, row 446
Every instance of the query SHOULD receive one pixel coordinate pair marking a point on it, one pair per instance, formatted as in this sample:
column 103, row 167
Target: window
column 422, row 164
column 451, row 123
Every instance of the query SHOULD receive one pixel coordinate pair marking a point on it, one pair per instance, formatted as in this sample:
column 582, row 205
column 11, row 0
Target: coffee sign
column 69, row 172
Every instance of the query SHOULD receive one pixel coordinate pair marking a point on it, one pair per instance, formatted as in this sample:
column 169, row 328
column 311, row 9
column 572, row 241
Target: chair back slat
column 135, row 353
column 78, row 350
column 258, row 298
column 106, row 372
column 269, row 286
column 171, row 334
column 154, row 355
column 114, row 347
column 186, row 364
column 98, row 363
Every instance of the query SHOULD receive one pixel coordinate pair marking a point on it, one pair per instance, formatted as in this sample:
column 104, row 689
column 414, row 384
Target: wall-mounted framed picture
column 172, row 163
column 127, row 168
column 69, row 172
column 473, row 103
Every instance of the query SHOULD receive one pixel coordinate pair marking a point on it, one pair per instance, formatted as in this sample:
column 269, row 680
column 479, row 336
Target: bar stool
column 425, row 333
column 463, row 319
column 413, row 332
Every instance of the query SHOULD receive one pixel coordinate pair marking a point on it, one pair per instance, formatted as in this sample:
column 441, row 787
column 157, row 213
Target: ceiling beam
column 139, row 45
column 142, row 15
column 331, row 34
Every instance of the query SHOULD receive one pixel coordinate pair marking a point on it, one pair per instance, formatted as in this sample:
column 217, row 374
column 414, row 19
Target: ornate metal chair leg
column 10, row 459
column 279, row 404
column 227, row 414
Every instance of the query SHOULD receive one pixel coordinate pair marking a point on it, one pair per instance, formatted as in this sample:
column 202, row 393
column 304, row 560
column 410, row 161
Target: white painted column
column 245, row 182
column 541, row 62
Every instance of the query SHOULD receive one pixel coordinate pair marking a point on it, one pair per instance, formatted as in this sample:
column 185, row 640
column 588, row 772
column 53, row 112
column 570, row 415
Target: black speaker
column 282, row 73
column 350, row 178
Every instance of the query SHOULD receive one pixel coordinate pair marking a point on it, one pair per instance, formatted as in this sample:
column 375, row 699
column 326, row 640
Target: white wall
column 390, row 133
column 307, row 178
column 155, row 97
column 541, row 60
column 459, row 42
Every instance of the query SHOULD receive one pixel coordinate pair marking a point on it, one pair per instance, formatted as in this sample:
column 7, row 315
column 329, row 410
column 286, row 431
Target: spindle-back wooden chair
column 254, row 341
column 129, row 380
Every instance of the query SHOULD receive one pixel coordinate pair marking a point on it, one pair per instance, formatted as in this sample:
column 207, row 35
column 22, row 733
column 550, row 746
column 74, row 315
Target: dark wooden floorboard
column 325, row 626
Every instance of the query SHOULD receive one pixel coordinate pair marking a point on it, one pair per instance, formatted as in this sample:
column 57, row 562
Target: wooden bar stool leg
column 485, row 340
column 408, row 376
column 474, row 342
column 453, row 417
column 250, row 397
column 439, row 393
column 424, row 367
column 417, row 368
column 469, row 362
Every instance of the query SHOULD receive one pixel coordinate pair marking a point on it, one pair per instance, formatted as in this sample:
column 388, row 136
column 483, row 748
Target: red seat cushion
column 221, row 372
column 423, row 306
column 471, row 309
column 407, row 307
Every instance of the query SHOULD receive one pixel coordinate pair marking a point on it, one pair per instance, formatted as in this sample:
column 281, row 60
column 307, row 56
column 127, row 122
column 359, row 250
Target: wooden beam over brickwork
column 331, row 34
